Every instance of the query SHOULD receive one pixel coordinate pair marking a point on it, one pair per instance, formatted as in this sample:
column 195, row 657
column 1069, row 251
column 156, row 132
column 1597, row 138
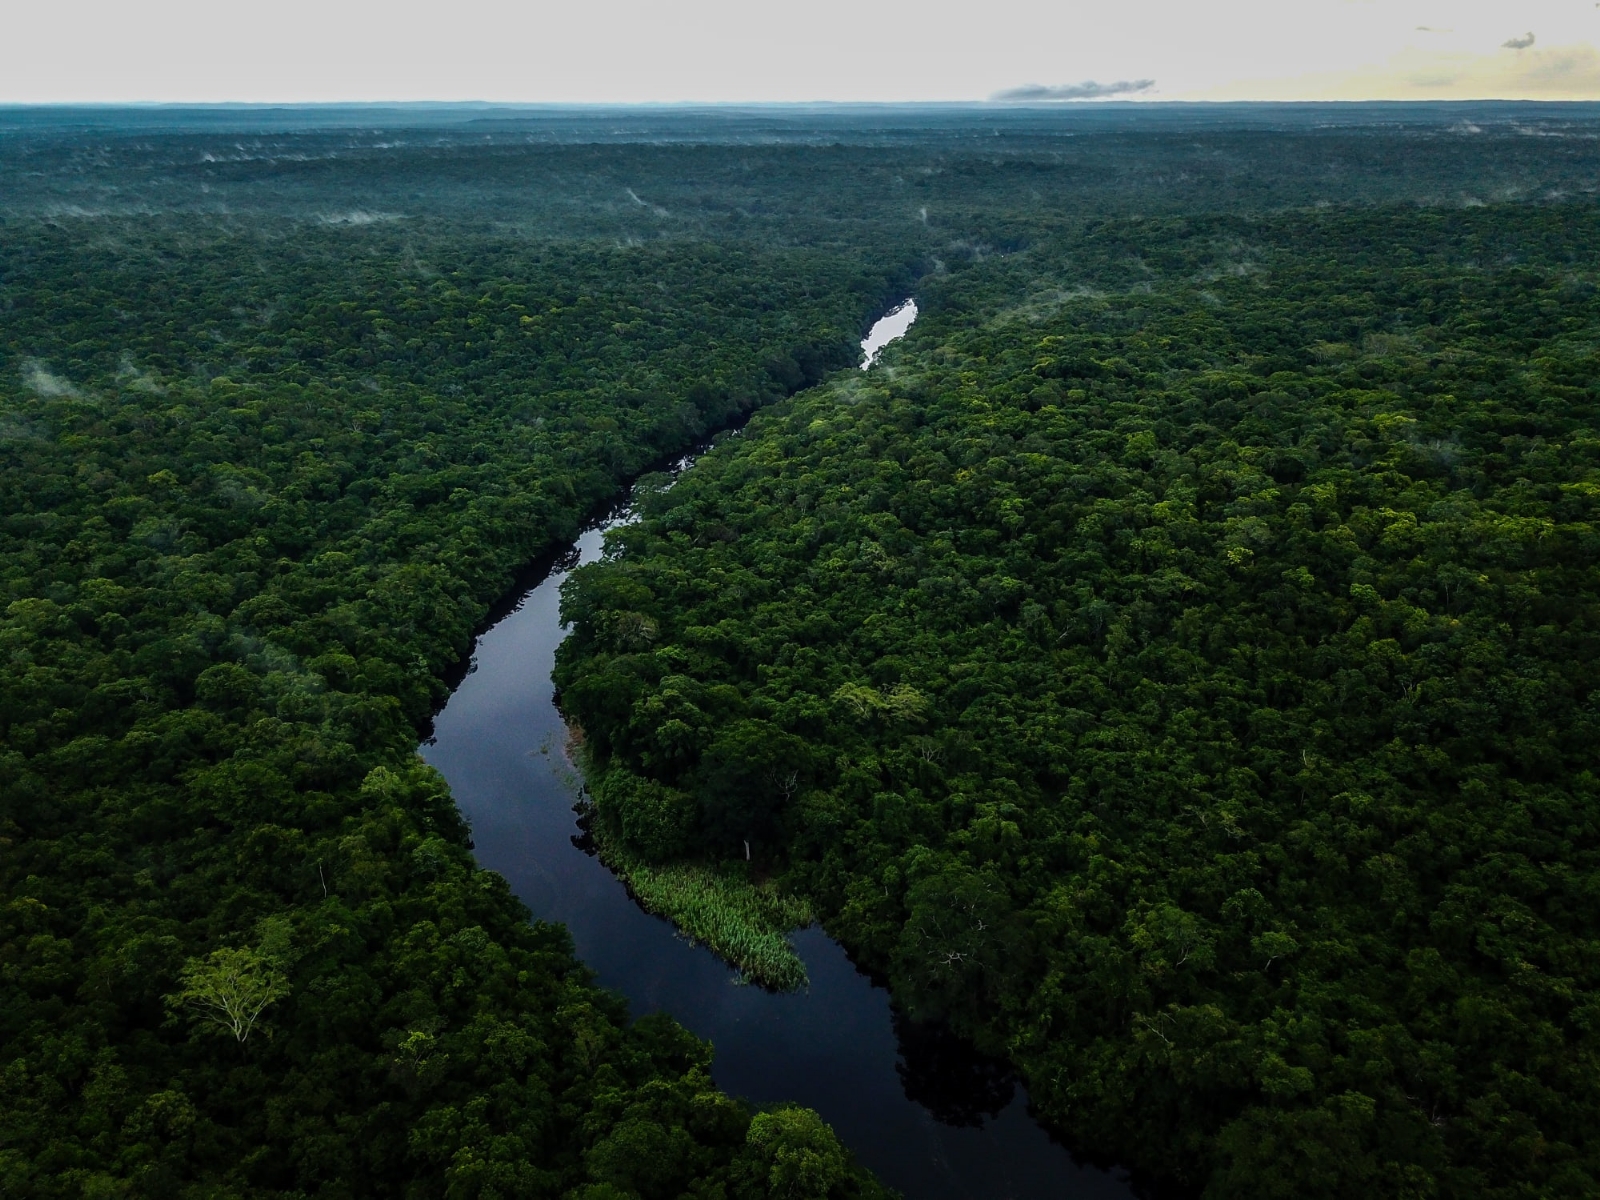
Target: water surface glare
column 888, row 328
column 501, row 744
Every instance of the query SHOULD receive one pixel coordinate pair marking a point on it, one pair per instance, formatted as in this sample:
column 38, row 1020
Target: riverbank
column 832, row 1045
column 743, row 922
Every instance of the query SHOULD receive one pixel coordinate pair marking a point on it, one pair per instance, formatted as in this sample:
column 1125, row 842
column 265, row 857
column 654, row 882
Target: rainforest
column 1167, row 668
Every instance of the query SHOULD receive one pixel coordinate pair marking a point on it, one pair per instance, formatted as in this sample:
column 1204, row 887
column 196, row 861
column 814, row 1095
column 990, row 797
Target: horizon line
column 1036, row 105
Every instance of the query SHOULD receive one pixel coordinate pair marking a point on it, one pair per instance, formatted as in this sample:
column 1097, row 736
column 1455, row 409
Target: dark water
column 500, row 742
column 932, row 1118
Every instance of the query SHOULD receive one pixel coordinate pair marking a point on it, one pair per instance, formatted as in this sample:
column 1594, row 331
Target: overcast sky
column 627, row 51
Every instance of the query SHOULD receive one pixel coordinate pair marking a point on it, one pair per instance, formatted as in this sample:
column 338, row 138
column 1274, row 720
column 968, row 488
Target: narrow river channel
column 932, row 1119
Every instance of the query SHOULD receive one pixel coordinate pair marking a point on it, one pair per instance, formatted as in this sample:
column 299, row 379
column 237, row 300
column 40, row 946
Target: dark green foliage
column 1184, row 690
column 258, row 484
column 656, row 820
column 1190, row 686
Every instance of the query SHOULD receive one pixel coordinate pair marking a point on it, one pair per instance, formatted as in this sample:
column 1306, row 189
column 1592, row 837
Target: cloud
column 1087, row 90
column 1521, row 43
column 356, row 216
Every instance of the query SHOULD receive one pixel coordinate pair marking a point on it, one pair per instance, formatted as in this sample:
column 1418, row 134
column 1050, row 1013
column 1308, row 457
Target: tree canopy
column 1170, row 667
column 1189, row 682
column 259, row 482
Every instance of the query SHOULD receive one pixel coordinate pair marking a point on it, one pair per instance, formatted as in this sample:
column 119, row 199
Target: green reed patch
column 745, row 923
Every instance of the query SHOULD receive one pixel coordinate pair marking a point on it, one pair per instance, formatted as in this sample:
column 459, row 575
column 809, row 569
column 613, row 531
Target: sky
column 644, row 51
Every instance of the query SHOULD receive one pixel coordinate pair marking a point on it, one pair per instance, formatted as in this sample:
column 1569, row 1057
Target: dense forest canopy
column 1185, row 688
column 1173, row 663
column 261, row 480
column 940, row 182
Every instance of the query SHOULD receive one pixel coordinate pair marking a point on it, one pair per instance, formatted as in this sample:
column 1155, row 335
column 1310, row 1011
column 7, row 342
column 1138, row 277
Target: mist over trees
column 262, row 478
column 1171, row 666
column 1188, row 675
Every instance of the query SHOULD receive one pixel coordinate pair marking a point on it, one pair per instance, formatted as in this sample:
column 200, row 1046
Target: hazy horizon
column 628, row 52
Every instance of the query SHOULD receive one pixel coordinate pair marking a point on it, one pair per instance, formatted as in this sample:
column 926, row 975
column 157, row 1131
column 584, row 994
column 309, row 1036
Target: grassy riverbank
column 744, row 922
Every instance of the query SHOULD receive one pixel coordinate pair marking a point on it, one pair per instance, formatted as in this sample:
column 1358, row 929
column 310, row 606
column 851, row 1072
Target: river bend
column 930, row 1117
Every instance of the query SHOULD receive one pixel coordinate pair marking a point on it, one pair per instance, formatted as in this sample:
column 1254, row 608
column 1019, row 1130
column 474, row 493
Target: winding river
column 932, row 1118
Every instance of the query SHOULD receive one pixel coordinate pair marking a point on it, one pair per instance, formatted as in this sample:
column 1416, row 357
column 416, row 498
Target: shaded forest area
column 283, row 413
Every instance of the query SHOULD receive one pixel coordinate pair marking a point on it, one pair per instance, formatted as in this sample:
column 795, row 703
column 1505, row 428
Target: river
column 933, row 1119
column 888, row 328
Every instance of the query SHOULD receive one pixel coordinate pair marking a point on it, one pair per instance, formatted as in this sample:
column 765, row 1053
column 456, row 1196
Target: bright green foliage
column 790, row 1154
column 230, row 989
column 1185, row 686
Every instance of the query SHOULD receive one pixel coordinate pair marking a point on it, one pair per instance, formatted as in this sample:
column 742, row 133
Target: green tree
column 230, row 989
column 791, row 1154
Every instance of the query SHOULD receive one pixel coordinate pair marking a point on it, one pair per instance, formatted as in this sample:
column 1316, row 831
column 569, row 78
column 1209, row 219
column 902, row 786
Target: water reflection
column 887, row 329
column 949, row 1077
